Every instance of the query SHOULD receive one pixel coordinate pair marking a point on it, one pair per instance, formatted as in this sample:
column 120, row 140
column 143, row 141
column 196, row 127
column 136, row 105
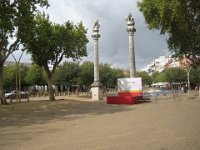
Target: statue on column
column 96, row 25
column 130, row 20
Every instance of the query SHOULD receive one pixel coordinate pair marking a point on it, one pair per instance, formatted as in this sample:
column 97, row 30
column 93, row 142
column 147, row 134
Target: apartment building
column 165, row 62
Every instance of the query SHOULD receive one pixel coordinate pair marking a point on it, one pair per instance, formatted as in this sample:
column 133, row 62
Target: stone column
column 131, row 29
column 97, row 88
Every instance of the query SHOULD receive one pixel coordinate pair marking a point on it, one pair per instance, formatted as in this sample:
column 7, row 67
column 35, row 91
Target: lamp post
column 187, row 66
column 18, row 77
column 187, row 69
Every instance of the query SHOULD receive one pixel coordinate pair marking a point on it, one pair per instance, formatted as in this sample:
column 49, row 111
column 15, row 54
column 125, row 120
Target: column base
column 97, row 91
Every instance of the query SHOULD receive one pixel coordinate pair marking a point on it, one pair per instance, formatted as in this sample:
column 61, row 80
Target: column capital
column 131, row 30
column 96, row 36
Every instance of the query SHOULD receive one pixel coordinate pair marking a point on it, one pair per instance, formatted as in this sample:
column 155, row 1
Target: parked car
column 146, row 95
column 14, row 93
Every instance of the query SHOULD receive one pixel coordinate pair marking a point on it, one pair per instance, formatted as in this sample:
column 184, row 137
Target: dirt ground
column 76, row 123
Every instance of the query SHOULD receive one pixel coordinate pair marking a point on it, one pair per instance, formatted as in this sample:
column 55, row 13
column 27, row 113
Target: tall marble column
column 97, row 90
column 131, row 29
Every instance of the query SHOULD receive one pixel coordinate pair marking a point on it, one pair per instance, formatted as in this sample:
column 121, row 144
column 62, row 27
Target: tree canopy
column 86, row 76
column 175, row 75
column 9, row 76
column 195, row 76
column 35, row 76
column 67, row 74
column 49, row 43
column 146, row 79
column 109, row 75
column 16, row 21
column 180, row 20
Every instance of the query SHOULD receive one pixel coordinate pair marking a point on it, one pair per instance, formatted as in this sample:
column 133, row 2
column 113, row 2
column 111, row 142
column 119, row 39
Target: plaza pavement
column 76, row 123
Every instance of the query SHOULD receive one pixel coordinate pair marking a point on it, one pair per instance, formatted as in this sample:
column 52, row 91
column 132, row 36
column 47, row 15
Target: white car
column 146, row 95
column 13, row 93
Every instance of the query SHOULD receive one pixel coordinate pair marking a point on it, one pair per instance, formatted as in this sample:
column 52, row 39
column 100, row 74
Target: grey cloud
column 114, row 38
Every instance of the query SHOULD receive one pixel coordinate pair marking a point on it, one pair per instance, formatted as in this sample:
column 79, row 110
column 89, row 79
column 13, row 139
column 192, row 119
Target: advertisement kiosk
column 129, row 91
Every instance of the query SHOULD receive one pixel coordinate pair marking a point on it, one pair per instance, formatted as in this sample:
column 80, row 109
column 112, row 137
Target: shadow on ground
column 23, row 114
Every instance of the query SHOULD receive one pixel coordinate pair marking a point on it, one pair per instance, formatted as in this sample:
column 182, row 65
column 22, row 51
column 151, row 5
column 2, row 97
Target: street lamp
column 187, row 69
column 18, row 77
column 187, row 66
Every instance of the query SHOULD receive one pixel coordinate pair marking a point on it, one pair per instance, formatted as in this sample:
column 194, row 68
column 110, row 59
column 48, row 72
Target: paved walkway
column 169, row 124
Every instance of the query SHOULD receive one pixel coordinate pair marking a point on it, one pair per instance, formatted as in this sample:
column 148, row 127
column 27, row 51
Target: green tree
column 175, row 75
column 35, row 76
column 109, row 75
column 158, row 77
column 15, row 23
column 146, row 78
column 154, row 76
column 67, row 74
column 180, row 20
column 50, row 43
column 9, row 77
column 194, row 76
column 105, row 74
column 86, row 76
column 116, row 74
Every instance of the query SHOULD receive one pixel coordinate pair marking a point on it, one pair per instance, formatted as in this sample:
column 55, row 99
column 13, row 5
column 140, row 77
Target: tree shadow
column 40, row 112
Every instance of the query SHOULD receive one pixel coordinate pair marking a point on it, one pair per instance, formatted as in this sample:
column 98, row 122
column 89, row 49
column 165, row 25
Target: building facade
column 165, row 62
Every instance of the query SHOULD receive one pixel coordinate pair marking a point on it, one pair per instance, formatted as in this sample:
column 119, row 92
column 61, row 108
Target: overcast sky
column 113, row 44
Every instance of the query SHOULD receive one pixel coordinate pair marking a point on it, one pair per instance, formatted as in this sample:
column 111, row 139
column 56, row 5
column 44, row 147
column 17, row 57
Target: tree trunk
column 2, row 96
column 199, row 84
column 49, row 81
column 199, row 81
column 199, row 91
column 51, row 90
